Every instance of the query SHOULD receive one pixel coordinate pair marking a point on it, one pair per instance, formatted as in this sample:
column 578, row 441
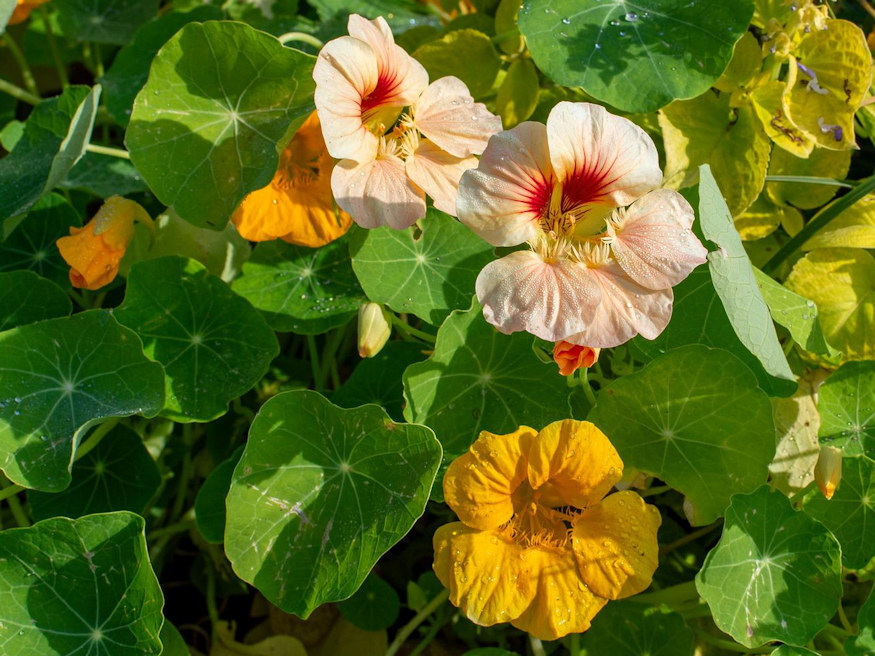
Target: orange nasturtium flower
column 571, row 357
column 95, row 250
column 22, row 10
column 296, row 206
column 538, row 546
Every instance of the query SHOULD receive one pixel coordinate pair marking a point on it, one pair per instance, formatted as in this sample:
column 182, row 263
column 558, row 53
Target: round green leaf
column 118, row 474
column 104, row 21
column 299, row 289
column 428, row 269
column 173, row 643
column 479, row 379
column 373, row 607
column 320, row 494
column 213, row 344
column 130, row 67
column 204, row 130
column 209, row 505
column 32, row 245
column 695, row 418
column 57, row 378
column 105, row 176
column 26, row 298
column 774, row 575
column 378, row 379
column 846, row 402
column 850, row 514
column 82, row 586
column 518, row 94
column 627, row 627
column 636, row 56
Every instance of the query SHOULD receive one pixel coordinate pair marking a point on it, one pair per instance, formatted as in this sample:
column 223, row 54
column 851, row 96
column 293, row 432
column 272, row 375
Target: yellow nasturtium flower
column 95, row 250
column 297, row 205
column 538, row 545
column 22, row 10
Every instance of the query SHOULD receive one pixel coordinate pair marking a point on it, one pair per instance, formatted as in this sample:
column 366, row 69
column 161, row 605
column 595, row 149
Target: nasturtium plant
column 215, row 389
column 74, row 586
column 774, row 575
column 680, row 419
column 203, row 142
column 213, row 344
column 320, row 493
column 428, row 269
column 61, row 376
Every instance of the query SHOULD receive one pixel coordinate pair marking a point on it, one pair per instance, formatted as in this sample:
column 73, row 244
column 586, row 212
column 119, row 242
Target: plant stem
column 405, row 631
column 653, row 491
column 731, row 646
column 96, row 436
column 844, row 620
column 808, row 179
column 689, row 537
column 18, row 93
column 21, row 60
column 303, row 37
column 822, row 218
column 537, row 646
column 429, row 636
column 682, row 592
column 409, row 330
column 108, row 150
column 53, row 45
column 10, row 491
column 315, row 367
column 212, row 610
column 17, row 511
column 182, row 488
column 574, row 646
column 587, row 388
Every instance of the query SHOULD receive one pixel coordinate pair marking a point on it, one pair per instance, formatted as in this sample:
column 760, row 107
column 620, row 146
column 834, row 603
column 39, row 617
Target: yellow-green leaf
column 822, row 162
column 745, row 64
column 763, row 217
column 796, row 426
column 841, row 282
column 707, row 130
column 770, row 109
column 834, row 74
column 853, row 228
column 466, row 54
column 518, row 94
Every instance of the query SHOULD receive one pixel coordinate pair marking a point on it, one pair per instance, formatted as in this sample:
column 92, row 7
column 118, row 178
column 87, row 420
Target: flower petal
column 404, row 76
column 625, row 310
column 573, row 463
column 599, row 157
column 484, row 572
column 552, row 300
column 438, row 173
column 479, row 484
column 502, row 200
column 447, row 114
column 378, row 193
column 563, row 604
column 346, row 70
column 615, row 545
column 654, row 244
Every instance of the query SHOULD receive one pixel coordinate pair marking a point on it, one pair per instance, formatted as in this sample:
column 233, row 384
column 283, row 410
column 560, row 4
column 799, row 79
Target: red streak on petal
column 586, row 184
column 536, row 194
column 387, row 85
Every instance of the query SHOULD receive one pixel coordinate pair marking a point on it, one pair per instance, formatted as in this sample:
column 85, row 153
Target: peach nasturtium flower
column 571, row 357
column 537, row 545
column 397, row 136
column 296, row 206
column 597, row 272
column 22, row 10
column 95, row 250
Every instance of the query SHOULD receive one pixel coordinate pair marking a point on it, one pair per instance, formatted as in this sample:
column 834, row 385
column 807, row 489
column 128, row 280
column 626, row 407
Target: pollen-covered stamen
column 539, row 525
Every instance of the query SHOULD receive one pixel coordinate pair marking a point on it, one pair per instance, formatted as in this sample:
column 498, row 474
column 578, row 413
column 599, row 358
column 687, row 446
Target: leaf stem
column 405, row 631
column 574, row 644
column 108, row 150
column 315, row 368
column 96, row 436
column 808, row 179
column 689, row 537
column 680, row 593
column 410, row 331
column 10, row 491
column 844, row 620
column 537, row 646
column 18, row 513
column 18, row 93
column 822, row 218
column 728, row 645
column 587, row 388
column 303, row 37
column 21, row 60
column 53, row 46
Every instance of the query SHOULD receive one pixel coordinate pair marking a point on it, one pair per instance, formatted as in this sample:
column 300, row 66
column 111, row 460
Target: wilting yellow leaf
column 707, row 130
column 821, row 163
column 763, row 217
column 853, row 228
column 768, row 104
column 745, row 64
column 278, row 645
column 841, row 282
column 829, row 80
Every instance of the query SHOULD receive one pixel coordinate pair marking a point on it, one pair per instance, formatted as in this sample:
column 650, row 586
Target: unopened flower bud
column 571, row 357
column 374, row 329
column 828, row 470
